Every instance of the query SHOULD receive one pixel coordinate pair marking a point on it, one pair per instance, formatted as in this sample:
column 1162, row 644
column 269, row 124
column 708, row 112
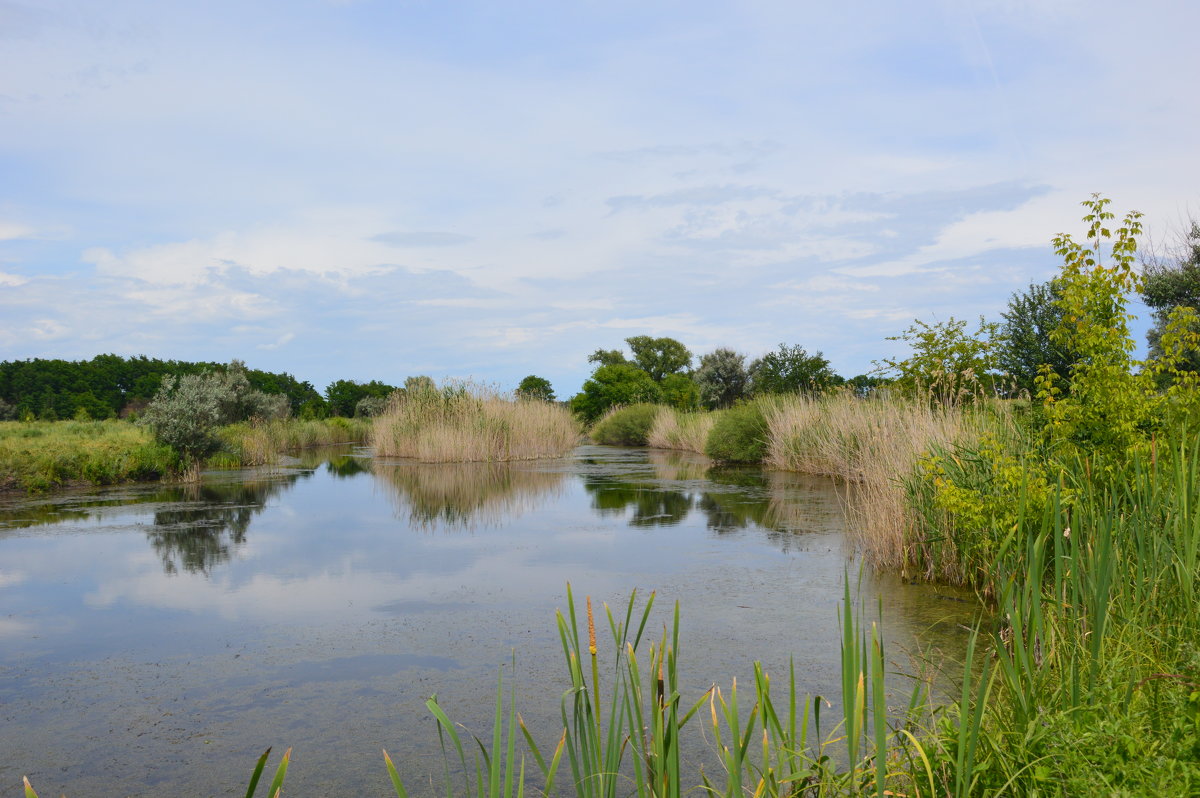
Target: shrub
column 739, row 435
column 187, row 410
column 626, row 426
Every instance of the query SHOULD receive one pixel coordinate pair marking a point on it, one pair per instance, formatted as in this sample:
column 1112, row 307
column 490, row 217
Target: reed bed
column 687, row 432
column 872, row 445
column 472, row 423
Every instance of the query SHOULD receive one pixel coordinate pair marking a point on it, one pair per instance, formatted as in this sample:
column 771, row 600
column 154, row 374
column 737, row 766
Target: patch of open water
column 165, row 635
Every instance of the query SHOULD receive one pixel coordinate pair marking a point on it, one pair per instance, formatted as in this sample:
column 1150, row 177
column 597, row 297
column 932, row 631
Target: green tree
column 946, row 359
column 680, row 392
column 616, row 384
column 607, row 357
column 1107, row 405
column 1169, row 281
column 659, row 357
column 343, row 396
column 535, row 387
column 1024, row 345
column 722, row 378
column 791, row 369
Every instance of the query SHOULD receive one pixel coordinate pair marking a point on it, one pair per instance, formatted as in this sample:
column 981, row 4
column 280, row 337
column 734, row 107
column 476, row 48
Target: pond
column 161, row 637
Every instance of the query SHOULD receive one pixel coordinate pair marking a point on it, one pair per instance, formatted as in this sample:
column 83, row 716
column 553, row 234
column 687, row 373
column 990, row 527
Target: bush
column 740, row 435
column 187, row 410
column 627, row 426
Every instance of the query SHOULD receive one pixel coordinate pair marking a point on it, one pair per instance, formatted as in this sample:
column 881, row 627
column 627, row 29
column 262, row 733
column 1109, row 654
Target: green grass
column 40, row 456
column 43, row 455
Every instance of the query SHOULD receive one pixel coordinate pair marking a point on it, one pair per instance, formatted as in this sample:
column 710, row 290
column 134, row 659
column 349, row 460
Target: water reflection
column 202, row 526
column 730, row 498
column 465, row 495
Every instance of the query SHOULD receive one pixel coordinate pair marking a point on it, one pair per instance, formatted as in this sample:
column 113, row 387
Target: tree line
column 110, row 386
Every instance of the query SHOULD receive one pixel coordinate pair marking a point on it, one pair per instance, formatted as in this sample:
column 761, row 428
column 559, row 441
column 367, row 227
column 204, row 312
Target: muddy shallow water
column 163, row 636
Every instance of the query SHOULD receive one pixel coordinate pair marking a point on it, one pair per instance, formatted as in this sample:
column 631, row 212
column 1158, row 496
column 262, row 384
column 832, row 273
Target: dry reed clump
column 471, row 423
column 873, row 445
column 685, row 431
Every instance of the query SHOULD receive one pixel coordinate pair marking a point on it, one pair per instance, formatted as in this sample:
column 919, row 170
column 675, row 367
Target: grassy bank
column 470, row 423
column 44, row 455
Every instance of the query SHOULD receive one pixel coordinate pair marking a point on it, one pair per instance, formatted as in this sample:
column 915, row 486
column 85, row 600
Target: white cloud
column 282, row 340
column 11, row 231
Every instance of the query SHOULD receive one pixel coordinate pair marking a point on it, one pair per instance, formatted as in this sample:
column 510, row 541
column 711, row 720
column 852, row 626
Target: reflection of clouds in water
column 12, row 627
column 11, row 578
column 337, row 592
column 466, row 495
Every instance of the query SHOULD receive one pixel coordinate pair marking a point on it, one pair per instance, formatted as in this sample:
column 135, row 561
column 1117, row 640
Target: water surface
column 166, row 635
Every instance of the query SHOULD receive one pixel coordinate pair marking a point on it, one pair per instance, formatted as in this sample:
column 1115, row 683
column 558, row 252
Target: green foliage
column 739, row 435
column 680, row 392
column 1106, row 406
column 618, row 384
column 659, row 357
column 722, row 378
column 626, row 426
column 187, row 410
column 370, row 406
column 790, row 369
column 38, row 456
column 1169, row 281
column 343, row 396
column 946, row 360
column 608, row 357
column 1025, row 343
column 108, row 385
column 535, row 387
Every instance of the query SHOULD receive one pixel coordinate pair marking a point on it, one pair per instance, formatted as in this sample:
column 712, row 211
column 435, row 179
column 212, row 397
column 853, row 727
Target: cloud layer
column 371, row 190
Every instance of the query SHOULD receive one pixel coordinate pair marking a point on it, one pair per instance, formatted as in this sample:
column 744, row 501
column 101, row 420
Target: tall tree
column 722, row 378
column 791, row 369
column 1171, row 280
column 617, row 384
column 659, row 357
column 535, row 387
column 1025, row 343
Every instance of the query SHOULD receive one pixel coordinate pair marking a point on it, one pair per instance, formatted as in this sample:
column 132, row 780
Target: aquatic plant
column 465, row 422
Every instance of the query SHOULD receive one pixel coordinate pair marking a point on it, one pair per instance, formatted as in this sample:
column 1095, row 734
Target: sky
column 373, row 189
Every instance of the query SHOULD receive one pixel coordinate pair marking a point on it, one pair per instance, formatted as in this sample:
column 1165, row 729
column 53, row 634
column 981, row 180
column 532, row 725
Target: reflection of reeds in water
column 782, row 502
column 678, row 466
column 463, row 495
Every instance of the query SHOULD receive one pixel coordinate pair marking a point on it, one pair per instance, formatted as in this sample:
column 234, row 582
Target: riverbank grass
column 39, row 456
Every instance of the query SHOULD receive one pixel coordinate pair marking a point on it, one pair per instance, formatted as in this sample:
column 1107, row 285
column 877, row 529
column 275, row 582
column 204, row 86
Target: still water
column 156, row 638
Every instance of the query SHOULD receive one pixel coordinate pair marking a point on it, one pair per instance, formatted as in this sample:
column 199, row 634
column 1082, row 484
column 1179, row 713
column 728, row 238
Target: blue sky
column 372, row 189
